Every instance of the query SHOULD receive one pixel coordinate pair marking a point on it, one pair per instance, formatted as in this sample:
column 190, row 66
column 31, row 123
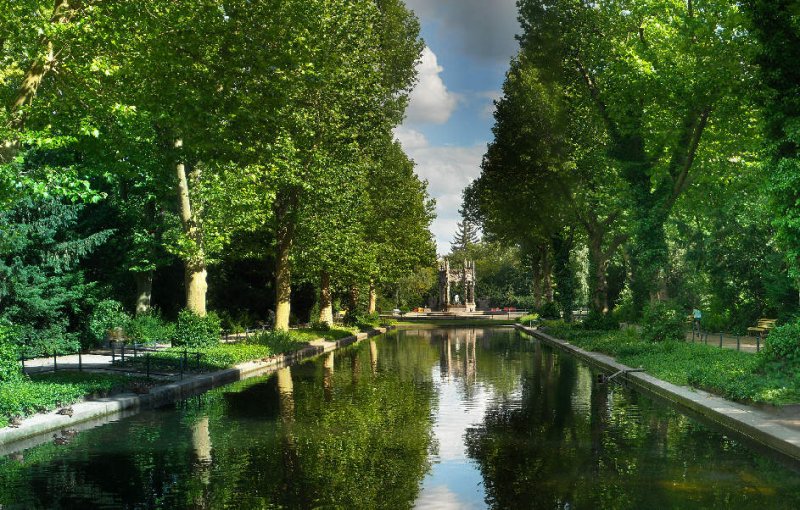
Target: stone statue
column 457, row 299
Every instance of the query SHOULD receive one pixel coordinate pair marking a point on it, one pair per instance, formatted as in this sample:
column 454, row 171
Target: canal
column 429, row 419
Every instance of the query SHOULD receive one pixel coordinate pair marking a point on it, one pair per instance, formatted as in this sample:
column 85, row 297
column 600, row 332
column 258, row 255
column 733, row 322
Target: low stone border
column 744, row 420
column 38, row 428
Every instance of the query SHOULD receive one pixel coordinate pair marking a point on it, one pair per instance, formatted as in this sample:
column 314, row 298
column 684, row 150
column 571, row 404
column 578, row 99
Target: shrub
column 387, row 322
column 236, row 323
column 107, row 320
column 531, row 317
column 320, row 326
column 367, row 320
column 783, row 345
column 661, row 322
column 192, row 330
column 9, row 356
column 550, row 311
column 277, row 341
column 149, row 328
column 624, row 311
column 600, row 321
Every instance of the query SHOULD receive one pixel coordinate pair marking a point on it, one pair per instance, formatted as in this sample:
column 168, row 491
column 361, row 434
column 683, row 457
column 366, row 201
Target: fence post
column 738, row 345
column 113, row 354
column 720, row 340
column 122, row 352
column 758, row 343
column 80, row 361
column 55, row 360
column 134, row 350
column 198, row 360
column 22, row 360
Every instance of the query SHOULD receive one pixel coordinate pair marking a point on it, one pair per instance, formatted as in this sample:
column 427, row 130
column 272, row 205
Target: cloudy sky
column 448, row 124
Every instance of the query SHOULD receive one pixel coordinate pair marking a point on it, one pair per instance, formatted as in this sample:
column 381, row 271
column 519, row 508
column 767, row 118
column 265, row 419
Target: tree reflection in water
column 492, row 418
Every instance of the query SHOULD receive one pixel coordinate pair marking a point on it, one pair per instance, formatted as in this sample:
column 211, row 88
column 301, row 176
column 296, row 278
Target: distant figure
column 457, row 299
column 697, row 314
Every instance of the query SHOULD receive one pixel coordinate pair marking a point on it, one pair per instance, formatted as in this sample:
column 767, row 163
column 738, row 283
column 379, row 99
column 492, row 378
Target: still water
column 428, row 419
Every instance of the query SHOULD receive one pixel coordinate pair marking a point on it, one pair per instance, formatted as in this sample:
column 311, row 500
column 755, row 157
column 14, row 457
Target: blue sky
column 469, row 44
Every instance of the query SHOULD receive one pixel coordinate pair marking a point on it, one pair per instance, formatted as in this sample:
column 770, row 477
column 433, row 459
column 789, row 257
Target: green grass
column 735, row 375
column 334, row 333
column 46, row 392
column 222, row 356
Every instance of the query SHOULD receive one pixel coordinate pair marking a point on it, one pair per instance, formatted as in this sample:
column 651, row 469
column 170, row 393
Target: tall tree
column 776, row 28
column 658, row 78
column 465, row 236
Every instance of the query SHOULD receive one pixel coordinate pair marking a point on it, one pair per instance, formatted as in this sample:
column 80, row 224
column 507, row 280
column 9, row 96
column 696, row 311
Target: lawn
column 45, row 392
column 735, row 375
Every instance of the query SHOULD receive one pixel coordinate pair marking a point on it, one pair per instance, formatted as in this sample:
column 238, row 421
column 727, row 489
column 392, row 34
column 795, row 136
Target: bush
column 236, row 323
column 624, row 311
column 531, row 317
column 192, row 330
column 600, row 321
column 107, row 320
column 367, row 320
column 149, row 328
column 783, row 345
column 9, row 356
column 550, row 311
column 277, row 341
column 662, row 322
column 320, row 326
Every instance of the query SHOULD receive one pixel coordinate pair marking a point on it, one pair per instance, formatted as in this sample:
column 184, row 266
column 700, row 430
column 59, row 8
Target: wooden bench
column 761, row 330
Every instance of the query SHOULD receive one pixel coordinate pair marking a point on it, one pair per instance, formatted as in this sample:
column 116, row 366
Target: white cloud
column 448, row 171
column 431, row 102
column 410, row 139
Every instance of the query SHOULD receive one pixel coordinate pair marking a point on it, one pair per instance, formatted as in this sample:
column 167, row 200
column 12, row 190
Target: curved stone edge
column 88, row 414
column 741, row 419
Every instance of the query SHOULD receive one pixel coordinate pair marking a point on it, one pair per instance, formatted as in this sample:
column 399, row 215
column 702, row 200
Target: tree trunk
column 144, row 291
column 325, row 301
column 195, row 274
column 373, row 298
column 283, row 271
column 353, row 299
column 563, row 243
column 547, row 275
column 598, row 267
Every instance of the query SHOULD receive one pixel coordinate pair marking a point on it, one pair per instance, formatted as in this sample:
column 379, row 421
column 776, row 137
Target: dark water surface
column 439, row 419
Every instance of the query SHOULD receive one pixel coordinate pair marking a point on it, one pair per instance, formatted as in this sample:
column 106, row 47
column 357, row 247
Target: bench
column 761, row 330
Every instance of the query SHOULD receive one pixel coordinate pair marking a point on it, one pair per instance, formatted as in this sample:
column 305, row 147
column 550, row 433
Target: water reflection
column 429, row 418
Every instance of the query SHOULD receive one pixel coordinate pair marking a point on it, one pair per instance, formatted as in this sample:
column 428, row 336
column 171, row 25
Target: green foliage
column 600, row 321
column 531, row 317
column 549, row 310
column 43, row 291
column 280, row 342
column 23, row 396
column 782, row 347
column 108, row 320
column 10, row 368
column 149, row 328
column 663, row 322
column 193, row 331
column 367, row 321
column 729, row 373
